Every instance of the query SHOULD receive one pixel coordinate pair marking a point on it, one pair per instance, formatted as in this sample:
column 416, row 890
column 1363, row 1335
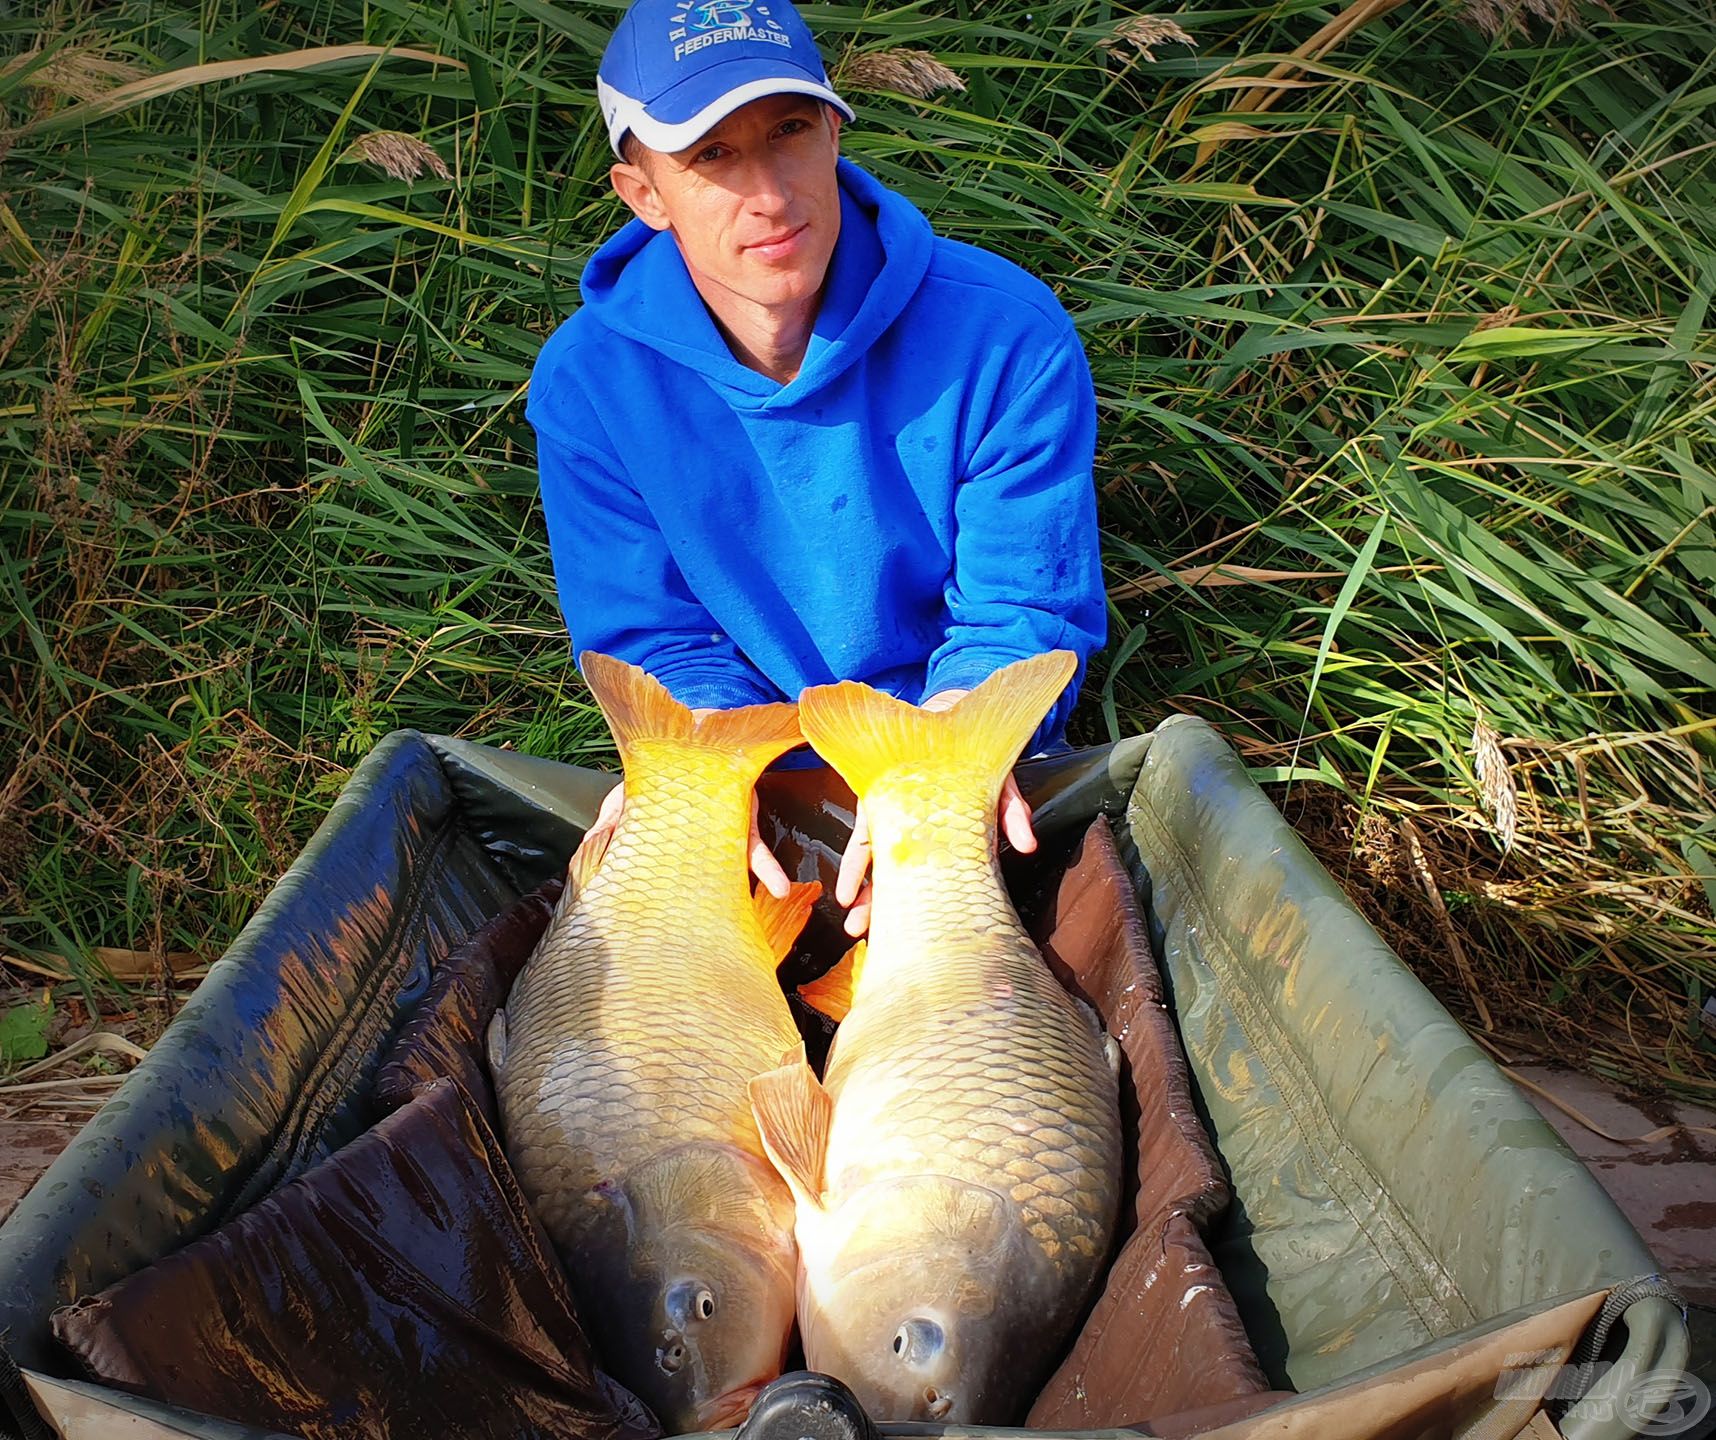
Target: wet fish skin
column 623, row 1056
column 957, row 1175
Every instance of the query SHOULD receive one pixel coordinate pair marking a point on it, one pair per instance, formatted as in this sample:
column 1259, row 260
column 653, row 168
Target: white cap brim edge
column 624, row 113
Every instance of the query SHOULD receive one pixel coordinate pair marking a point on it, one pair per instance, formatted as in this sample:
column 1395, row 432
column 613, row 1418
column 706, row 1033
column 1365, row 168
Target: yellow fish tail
column 865, row 734
column 639, row 710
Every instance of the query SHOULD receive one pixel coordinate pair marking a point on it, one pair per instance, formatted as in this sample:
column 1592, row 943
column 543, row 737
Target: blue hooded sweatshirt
column 914, row 509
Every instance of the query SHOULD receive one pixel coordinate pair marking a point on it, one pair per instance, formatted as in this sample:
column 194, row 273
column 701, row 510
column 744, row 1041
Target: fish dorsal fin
column 639, row 709
column 783, row 919
column 793, row 1111
column 864, row 734
column 832, row 993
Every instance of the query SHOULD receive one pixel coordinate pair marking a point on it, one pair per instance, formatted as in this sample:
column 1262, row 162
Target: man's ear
column 633, row 185
column 835, row 119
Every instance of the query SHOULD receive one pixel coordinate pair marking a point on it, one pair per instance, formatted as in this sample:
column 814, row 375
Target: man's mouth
column 777, row 247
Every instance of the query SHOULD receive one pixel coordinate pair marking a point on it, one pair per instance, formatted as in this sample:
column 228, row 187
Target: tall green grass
column 1405, row 363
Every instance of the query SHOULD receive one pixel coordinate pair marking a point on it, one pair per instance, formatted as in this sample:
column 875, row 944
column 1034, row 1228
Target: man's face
column 754, row 204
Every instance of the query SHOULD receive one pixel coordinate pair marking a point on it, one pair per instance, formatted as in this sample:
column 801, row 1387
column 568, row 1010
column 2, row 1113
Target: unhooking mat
column 1393, row 1197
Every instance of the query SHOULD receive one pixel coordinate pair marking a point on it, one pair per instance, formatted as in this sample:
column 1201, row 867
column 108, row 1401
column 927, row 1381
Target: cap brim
column 683, row 115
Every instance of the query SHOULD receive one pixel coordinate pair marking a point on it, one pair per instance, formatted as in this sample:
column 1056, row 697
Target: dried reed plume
column 1498, row 319
column 402, row 156
column 1496, row 782
column 74, row 72
column 905, row 72
column 1143, row 31
column 1498, row 18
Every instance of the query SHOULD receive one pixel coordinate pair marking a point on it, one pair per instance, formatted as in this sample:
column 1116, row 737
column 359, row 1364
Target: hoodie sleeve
column 621, row 592
column 1027, row 570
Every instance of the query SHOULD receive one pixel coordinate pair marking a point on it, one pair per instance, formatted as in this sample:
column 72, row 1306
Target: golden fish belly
column 635, row 1028
column 970, row 1061
column 606, row 1061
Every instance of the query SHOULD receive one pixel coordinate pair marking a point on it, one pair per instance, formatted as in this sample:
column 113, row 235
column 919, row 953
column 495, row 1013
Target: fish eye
column 917, row 1340
column 704, row 1305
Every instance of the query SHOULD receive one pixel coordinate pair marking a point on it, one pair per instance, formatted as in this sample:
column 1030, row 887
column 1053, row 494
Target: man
column 793, row 436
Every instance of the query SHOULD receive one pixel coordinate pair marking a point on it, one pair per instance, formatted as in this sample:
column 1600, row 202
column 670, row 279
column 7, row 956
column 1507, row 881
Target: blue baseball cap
column 676, row 68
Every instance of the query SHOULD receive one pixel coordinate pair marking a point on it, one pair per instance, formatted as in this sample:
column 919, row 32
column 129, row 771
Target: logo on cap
column 716, row 13
column 714, row 22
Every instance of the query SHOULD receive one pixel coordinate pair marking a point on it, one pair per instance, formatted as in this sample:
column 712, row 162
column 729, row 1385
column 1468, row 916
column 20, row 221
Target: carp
column 957, row 1172
column 622, row 1056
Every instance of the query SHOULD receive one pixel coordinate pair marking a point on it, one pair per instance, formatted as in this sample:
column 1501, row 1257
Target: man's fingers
column 858, row 917
column 855, row 861
column 1016, row 818
column 764, row 866
column 767, row 869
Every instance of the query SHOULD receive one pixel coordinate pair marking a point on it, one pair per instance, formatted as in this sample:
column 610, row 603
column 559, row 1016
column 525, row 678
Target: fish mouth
column 723, row 1412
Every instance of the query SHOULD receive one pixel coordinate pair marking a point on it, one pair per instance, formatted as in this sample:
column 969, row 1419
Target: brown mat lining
column 1163, row 1343
column 1164, row 1336
column 398, row 1290
column 446, row 1035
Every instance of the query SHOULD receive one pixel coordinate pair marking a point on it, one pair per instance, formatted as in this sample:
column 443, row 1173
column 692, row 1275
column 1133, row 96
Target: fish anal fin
column 832, row 993
column 783, row 919
column 793, row 1112
column 586, row 860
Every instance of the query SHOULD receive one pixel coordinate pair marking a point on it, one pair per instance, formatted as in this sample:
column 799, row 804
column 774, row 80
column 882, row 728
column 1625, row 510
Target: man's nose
column 768, row 189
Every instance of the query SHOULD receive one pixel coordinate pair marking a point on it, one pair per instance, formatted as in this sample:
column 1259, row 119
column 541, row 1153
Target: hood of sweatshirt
column 638, row 287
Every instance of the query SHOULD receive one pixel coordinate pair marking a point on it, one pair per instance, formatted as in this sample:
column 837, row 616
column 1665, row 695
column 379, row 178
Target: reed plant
column 1400, row 321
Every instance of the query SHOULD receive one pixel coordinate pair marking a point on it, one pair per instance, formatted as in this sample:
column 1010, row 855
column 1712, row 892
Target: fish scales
column 957, row 1032
column 591, row 1033
column 957, row 1171
column 623, row 1054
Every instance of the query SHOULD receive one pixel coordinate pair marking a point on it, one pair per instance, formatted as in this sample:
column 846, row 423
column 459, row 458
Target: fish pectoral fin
column 783, row 919
column 496, row 1042
column 793, row 1112
column 1110, row 1046
column 831, row 993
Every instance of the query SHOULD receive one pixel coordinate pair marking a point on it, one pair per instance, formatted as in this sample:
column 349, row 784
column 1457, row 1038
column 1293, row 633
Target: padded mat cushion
column 400, row 1289
column 1164, row 1335
column 445, row 1037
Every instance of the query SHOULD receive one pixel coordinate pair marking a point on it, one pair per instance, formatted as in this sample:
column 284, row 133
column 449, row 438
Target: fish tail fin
column 639, row 709
column 783, row 919
column 864, row 734
column 793, row 1112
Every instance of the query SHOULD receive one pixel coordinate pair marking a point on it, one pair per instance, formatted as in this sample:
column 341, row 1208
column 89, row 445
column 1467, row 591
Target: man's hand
column 764, row 866
column 850, row 888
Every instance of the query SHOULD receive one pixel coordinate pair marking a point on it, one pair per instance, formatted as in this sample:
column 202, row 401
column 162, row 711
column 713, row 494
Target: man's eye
column 703, row 157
